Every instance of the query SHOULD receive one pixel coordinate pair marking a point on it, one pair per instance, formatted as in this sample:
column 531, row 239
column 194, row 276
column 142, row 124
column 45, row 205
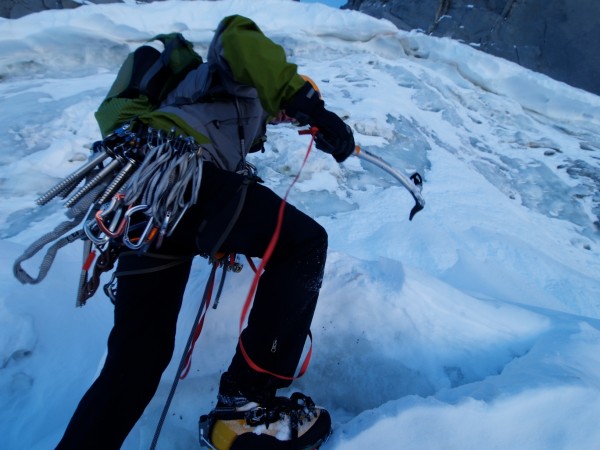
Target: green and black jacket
column 223, row 103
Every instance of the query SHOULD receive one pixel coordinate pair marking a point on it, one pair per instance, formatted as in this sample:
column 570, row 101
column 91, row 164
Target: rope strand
column 265, row 259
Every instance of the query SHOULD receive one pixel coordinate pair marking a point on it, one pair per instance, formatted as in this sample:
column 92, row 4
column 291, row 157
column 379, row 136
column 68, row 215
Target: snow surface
column 475, row 326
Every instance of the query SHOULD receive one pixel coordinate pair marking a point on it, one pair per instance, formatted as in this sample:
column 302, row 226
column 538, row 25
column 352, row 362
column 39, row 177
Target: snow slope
column 475, row 326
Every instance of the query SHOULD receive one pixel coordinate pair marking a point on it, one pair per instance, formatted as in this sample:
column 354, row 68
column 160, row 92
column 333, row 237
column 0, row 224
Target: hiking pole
column 414, row 183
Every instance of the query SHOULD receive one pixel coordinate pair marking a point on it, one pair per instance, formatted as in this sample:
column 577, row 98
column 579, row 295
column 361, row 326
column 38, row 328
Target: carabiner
column 148, row 233
column 116, row 228
column 163, row 229
column 93, row 232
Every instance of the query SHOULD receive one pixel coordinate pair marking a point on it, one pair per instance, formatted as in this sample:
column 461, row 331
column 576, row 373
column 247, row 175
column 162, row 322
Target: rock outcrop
column 554, row 37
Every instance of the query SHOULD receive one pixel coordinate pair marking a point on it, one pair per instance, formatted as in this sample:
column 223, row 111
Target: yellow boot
column 293, row 423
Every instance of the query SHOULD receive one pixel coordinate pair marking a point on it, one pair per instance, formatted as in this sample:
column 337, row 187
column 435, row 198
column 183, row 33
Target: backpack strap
column 145, row 78
column 169, row 68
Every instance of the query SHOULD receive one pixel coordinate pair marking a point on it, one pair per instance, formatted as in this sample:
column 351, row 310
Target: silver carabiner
column 146, row 236
column 93, row 232
column 163, row 229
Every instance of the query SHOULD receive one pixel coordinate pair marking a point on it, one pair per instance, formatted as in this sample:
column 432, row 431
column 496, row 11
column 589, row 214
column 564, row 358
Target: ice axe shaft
column 413, row 184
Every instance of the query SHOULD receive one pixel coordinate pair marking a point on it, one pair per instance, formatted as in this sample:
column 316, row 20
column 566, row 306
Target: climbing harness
column 123, row 206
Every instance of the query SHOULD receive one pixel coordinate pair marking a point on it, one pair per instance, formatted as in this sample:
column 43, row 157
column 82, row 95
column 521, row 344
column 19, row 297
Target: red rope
column 258, row 271
column 265, row 259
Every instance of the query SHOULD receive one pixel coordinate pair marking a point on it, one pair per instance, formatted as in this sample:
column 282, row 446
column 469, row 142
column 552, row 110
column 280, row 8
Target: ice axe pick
column 414, row 183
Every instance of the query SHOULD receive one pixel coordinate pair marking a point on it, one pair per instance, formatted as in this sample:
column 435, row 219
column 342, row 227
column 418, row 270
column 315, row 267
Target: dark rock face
column 13, row 9
column 554, row 37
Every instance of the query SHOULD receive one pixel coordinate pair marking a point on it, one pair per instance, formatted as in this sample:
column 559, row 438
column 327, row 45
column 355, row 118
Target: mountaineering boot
column 279, row 423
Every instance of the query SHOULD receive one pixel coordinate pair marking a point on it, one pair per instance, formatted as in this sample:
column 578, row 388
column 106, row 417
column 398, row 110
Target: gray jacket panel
column 232, row 126
column 232, row 123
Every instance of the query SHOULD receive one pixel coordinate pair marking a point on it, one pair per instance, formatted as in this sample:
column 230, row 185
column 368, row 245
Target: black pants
column 141, row 342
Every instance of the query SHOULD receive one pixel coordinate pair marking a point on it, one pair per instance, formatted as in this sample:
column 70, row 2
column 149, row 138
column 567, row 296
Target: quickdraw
column 104, row 262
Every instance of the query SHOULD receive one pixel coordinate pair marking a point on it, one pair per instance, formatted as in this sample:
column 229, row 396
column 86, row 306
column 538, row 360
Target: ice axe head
column 414, row 184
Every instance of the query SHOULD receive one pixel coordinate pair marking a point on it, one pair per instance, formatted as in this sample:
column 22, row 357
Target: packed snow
column 474, row 326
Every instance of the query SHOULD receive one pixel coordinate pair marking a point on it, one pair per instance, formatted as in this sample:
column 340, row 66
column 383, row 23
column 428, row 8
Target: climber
column 224, row 104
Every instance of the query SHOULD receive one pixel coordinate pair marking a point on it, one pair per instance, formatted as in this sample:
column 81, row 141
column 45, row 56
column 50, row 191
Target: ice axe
column 414, row 183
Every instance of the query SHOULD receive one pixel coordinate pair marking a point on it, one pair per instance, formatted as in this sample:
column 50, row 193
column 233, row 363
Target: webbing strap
column 169, row 261
column 185, row 363
column 78, row 213
column 18, row 270
column 265, row 259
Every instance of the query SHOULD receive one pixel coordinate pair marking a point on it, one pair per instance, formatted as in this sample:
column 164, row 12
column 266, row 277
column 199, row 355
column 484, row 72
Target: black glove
column 334, row 136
